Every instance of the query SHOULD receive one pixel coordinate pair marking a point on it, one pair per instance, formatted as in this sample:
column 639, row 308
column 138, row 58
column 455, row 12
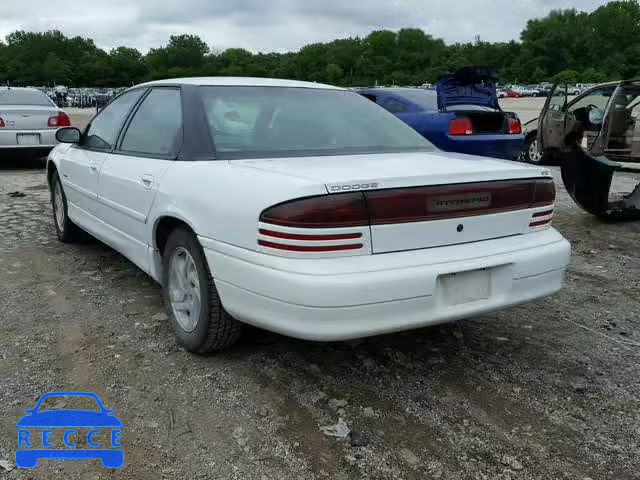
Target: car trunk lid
column 26, row 117
column 468, row 86
column 422, row 200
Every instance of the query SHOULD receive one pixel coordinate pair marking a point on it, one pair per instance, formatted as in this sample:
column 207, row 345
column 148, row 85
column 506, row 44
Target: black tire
column 66, row 230
column 527, row 154
column 215, row 328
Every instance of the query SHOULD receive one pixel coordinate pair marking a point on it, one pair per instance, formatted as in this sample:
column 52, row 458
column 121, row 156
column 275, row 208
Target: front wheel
column 66, row 230
column 530, row 152
column 197, row 316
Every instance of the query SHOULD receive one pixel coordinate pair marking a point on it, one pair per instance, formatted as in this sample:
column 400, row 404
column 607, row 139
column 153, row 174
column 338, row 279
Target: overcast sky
column 274, row 25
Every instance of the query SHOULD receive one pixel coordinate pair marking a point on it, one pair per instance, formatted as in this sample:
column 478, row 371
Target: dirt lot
column 526, row 108
column 549, row 390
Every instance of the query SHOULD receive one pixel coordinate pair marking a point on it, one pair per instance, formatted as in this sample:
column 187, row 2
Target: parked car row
column 64, row 96
column 308, row 210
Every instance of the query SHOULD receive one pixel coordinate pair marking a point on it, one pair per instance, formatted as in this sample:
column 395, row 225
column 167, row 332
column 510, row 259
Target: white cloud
column 276, row 25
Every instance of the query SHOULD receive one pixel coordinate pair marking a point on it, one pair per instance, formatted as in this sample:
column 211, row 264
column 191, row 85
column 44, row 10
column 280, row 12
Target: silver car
column 28, row 121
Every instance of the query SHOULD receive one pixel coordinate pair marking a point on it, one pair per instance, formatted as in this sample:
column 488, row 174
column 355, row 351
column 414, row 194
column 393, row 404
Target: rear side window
column 156, row 125
column 24, row 97
column 394, row 106
column 104, row 128
column 427, row 99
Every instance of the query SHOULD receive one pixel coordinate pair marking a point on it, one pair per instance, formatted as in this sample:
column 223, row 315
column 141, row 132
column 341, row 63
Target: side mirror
column 68, row 135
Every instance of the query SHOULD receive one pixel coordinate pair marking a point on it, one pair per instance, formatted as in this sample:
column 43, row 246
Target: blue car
column 461, row 114
column 39, row 430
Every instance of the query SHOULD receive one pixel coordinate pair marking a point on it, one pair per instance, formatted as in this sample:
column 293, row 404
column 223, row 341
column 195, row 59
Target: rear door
column 551, row 123
column 81, row 163
column 131, row 174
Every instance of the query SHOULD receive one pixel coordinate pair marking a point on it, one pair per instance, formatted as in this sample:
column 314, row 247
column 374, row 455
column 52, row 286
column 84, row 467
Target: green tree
column 55, row 69
column 186, row 51
column 568, row 76
column 578, row 46
column 127, row 66
column 333, row 73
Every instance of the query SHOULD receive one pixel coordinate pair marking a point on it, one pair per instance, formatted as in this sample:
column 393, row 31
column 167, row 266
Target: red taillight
column 59, row 120
column 544, row 213
column 450, row 201
column 514, row 126
column 310, row 248
column 545, row 193
column 540, row 223
column 1, row 122
column 318, row 237
column 460, row 126
column 326, row 211
column 396, row 205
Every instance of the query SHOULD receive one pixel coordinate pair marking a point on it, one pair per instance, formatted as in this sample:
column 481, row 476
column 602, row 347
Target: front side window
column 103, row 129
column 253, row 122
column 591, row 107
column 156, row 125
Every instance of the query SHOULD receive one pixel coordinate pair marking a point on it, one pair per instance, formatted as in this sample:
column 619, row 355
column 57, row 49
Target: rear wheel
column 530, row 152
column 197, row 316
column 66, row 230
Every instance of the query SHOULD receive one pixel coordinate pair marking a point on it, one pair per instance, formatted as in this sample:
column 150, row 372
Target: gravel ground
column 548, row 390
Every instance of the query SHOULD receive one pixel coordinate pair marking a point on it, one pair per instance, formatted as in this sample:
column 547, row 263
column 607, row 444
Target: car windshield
column 23, row 97
column 62, row 402
column 254, row 122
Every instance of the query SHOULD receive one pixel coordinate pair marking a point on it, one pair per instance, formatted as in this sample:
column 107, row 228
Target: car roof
column 21, row 89
column 393, row 89
column 240, row 82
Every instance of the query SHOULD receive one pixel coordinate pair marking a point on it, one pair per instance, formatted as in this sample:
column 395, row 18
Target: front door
column 79, row 168
column 131, row 174
column 81, row 163
column 551, row 123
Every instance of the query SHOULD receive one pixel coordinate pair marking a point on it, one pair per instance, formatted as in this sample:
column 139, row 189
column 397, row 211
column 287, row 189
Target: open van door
column 551, row 123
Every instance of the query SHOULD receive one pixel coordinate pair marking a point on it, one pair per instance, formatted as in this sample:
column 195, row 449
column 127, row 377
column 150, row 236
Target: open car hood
column 468, row 86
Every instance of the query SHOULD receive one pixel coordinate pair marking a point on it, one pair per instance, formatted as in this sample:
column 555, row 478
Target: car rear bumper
column 503, row 146
column 45, row 138
column 351, row 297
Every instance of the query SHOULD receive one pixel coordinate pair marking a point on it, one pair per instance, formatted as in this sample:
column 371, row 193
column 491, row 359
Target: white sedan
column 29, row 121
column 303, row 209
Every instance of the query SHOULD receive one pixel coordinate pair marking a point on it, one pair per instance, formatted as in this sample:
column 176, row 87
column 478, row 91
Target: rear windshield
column 24, row 97
column 254, row 122
column 427, row 99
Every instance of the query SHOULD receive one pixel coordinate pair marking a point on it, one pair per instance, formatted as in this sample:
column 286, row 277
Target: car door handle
column 147, row 181
column 93, row 167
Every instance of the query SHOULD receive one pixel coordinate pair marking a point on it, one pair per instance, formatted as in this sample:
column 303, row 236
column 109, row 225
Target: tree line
column 568, row 44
